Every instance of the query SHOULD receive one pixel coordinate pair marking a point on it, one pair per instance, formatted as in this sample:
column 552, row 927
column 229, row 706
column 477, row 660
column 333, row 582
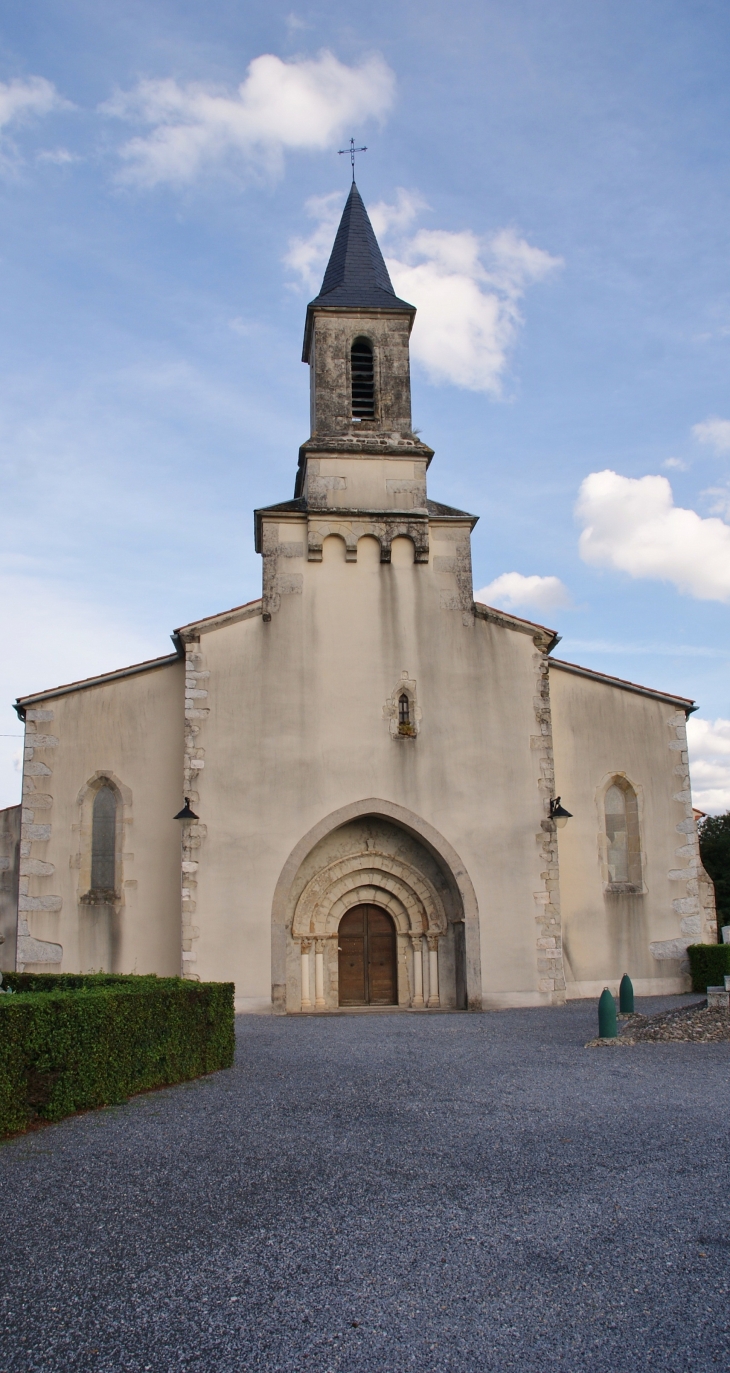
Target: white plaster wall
column 132, row 730
column 600, row 730
column 296, row 731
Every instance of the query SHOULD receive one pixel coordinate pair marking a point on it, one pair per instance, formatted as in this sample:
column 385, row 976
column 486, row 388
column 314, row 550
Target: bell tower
column 362, row 453
column 362, row 471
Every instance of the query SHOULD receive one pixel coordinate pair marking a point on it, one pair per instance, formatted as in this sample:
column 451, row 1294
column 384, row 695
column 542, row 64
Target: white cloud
column 408, row 205
column 709, row 754
column 27, row 96
column 20, row 100
column 308, row 256
column 302, row 105
column 676, row 465
column 719, row 500
column 466, row 289
column 715, row 432
column 59, row 157
column 512, row 590
column 632, row 524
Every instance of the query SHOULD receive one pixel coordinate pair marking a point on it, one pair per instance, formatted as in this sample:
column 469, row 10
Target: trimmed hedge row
column 709, row 963
column 66, row 1048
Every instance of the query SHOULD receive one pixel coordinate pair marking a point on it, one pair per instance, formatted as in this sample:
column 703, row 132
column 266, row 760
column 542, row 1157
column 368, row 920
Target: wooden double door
column 367, row 958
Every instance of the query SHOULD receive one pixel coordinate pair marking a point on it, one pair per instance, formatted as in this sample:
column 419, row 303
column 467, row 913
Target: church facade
column 372, row 761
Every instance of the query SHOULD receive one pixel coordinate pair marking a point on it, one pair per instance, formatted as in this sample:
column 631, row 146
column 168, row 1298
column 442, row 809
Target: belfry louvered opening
column 363, row 380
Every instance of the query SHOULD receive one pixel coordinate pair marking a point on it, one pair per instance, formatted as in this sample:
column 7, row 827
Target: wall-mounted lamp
column 187, row 814
column 558, row 813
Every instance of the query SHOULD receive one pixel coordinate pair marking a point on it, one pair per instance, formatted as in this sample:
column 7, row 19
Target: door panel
column 381, row 958
column 367, row 958
column 351, row 959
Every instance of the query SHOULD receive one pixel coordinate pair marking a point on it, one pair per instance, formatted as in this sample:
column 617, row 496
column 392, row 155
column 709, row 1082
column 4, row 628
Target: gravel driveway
column 385, row 1192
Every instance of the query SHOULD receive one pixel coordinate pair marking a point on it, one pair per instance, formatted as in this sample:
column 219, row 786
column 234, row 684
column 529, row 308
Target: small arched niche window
column 104, row 840
column 623, row 848
column 406, row 716
column 363, row 380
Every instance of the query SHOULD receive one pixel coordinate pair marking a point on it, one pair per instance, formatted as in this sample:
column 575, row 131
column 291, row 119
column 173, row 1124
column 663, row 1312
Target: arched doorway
column 367, row 958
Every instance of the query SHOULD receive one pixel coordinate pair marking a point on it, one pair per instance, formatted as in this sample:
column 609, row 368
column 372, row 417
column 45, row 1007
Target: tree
column 714, row 833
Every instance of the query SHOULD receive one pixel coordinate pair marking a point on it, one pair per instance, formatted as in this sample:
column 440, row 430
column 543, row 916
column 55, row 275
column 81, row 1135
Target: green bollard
column 626, row 996
column 606, row 1015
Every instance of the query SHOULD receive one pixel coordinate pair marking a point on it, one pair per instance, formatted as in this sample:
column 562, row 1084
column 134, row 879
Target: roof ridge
column 622, row 682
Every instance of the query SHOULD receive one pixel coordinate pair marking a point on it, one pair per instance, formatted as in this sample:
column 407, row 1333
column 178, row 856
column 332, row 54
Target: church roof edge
column 24, row 703
column 685, row 702
column 244, row 611
column 510, row 621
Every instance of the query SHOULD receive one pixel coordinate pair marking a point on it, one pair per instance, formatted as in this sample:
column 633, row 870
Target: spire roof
column 356, row 274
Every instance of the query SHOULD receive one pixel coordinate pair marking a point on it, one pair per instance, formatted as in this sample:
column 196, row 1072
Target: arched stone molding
column 105, row 777
column 384, row 530
column 441, row 850
column 85, row 801
column 409, row 898
column 623, row 780
column 100, row 919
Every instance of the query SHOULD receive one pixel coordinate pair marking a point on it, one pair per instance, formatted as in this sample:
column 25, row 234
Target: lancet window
column 363, row 380
column 104, row 840
column 623, row 844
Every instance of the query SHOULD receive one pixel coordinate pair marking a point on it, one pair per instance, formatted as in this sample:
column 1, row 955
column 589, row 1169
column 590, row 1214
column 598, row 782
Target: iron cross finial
column 352, row 150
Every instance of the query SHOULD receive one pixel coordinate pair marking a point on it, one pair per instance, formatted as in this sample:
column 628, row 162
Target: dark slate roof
column 356, row 273
column 299, row 504
column 436, row 509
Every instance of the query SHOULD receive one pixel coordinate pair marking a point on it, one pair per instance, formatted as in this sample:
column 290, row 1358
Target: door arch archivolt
column 371, row 879
column 368, row 878
column 375, row 852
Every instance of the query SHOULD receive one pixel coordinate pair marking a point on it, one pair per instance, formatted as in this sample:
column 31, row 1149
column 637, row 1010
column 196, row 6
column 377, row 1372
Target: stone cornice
column 365, row 445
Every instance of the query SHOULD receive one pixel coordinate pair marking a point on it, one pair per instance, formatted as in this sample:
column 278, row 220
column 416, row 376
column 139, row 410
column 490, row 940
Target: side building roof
column 682, row 702
column 24, row 703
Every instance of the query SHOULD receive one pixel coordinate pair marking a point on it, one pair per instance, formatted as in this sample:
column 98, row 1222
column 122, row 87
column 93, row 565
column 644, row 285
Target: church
column 363, row 789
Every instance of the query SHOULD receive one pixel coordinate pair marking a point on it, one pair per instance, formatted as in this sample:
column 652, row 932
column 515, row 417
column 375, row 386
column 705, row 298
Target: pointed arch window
column 363, row 380
column 404, row 710
column 104, row 840
column 623, row 844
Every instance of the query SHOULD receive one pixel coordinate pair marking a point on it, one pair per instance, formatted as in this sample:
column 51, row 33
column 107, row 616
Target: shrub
column 708, row 963
column 66, row 1048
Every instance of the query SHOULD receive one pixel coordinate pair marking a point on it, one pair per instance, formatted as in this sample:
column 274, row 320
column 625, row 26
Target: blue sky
column 551, row 184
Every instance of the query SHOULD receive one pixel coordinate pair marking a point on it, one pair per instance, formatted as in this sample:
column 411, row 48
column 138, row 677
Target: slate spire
column 356, row 274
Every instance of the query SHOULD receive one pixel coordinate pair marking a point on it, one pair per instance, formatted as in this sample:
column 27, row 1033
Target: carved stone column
column 319, row 974
column 417, row 970
column 433, row 970
column 306, row 997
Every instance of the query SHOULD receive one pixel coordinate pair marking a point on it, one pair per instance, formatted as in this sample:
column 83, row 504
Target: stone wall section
column 279, row 574
column 454, row 561
column 695, row 904
column 35, row 833
column 9, row 864
column 549, row 944
column 193, row 833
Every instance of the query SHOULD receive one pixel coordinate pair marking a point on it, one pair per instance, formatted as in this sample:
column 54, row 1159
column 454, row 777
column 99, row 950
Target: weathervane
column 352, row 150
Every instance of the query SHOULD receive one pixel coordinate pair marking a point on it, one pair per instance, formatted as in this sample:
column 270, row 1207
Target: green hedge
column 708, row 963
column 76, row 982
column 71, row 1043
